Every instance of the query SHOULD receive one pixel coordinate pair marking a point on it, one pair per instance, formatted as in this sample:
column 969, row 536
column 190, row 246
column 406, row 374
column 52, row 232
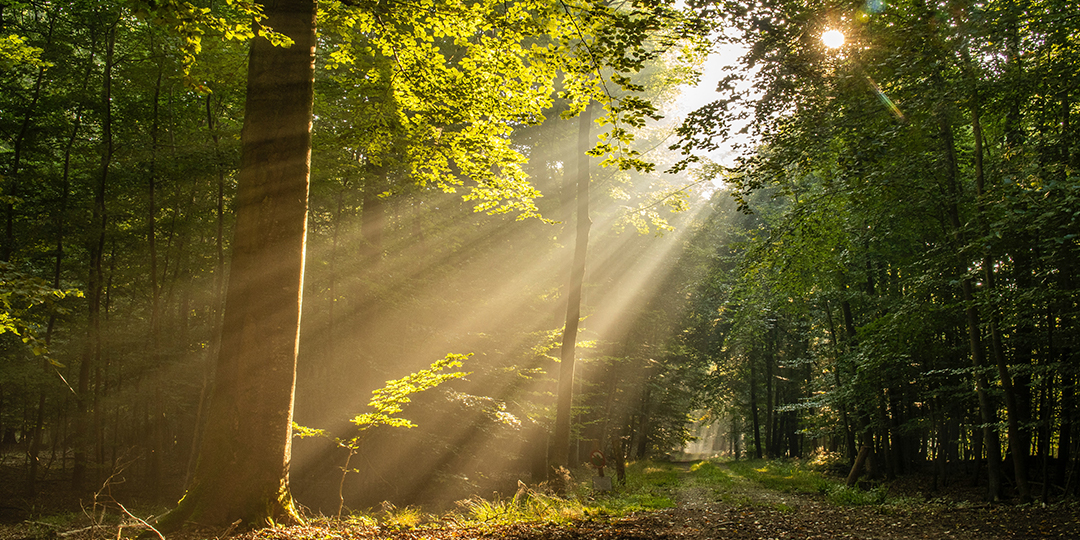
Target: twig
column 230, row 529
column 65, row 534
column 140, row 520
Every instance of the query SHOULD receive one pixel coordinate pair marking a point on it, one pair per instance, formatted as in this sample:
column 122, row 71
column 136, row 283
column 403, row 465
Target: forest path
column 734, row 501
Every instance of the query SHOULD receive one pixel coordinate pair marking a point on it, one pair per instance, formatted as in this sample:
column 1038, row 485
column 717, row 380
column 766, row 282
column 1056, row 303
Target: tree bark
column 242, row 471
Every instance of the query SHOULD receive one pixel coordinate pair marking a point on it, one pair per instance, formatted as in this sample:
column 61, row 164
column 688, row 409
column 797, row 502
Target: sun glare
column 833, row 38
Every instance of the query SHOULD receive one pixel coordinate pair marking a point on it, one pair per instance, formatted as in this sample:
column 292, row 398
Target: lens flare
column 893, row 108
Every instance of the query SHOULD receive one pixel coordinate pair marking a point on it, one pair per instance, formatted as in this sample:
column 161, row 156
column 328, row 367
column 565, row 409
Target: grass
column 708, row 473
column 782, row 476
column 797, row 477
column 650, row 485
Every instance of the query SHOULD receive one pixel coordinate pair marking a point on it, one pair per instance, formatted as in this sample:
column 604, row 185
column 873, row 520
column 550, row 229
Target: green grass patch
column 652, row 474
column 650, row 485
column 783, row 508
column 783, row 476
column 798, row 477
column 708, row 473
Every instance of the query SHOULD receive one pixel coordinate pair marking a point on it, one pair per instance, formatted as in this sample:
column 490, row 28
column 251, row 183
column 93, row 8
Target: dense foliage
column 905, row 281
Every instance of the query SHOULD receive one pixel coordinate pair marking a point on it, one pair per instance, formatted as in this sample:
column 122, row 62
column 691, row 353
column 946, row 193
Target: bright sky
column 694, row 97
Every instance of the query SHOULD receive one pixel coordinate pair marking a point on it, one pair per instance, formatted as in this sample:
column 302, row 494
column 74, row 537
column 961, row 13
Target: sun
column 832, row 38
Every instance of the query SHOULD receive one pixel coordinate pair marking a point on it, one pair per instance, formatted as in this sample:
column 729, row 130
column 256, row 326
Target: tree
column 561, row 438
column 243, row 465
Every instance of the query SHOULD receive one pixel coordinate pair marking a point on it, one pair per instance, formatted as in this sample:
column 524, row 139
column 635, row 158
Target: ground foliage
column 709, row 499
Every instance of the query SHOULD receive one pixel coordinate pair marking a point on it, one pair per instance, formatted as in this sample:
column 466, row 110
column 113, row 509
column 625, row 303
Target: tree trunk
column 95, row 282
column 849, row 433
column 243, row 466
column 771, row 345
column 754, row 411
column 7, row 247
column 561, row 440
column 987, row 411
column 373, row 213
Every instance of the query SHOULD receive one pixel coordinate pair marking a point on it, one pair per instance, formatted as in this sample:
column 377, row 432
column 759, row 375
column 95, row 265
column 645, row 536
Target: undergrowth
column 650, row 485
column 782, row 476
column 793, row 476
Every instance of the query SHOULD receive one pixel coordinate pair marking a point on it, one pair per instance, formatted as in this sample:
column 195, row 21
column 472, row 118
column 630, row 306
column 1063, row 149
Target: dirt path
column 744, row 510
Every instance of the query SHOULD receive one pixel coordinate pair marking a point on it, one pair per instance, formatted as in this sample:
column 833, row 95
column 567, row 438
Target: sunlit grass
column 649, row 486
column 800, row 477
column 401, row 518
column 708, row 473
column 527, row 505
column 783, row 476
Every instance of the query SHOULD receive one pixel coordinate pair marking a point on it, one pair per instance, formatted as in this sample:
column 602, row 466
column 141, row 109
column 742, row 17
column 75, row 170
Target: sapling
column 386, row 403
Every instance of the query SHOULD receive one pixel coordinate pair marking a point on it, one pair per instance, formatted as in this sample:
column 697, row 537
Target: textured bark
column 243, row 468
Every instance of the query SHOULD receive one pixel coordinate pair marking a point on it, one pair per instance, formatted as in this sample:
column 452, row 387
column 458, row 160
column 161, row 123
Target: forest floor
column 708, row 500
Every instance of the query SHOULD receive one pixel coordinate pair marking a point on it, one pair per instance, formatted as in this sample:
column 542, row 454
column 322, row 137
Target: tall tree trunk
column 987, row 411
column 754, row 417
column 243, row 466
column 561, row 440
column 217, row 303
column 1017, row 447
column 58, row 260
column 95, row 283
column 373, row 213
column 154, row 475
column 770, row 393
column 849, row 434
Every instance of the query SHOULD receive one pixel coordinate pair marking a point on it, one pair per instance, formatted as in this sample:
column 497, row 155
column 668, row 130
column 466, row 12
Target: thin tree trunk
column 18, row 146
column 754, row 410
column 373, row 213
column 561, row 439
column 849, row 433
column 95, row 283
column 987, row 411
column 770, row 394
column 1018, row 449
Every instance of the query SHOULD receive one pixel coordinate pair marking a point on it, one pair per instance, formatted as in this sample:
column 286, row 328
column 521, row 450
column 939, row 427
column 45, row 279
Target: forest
column 287, row 257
